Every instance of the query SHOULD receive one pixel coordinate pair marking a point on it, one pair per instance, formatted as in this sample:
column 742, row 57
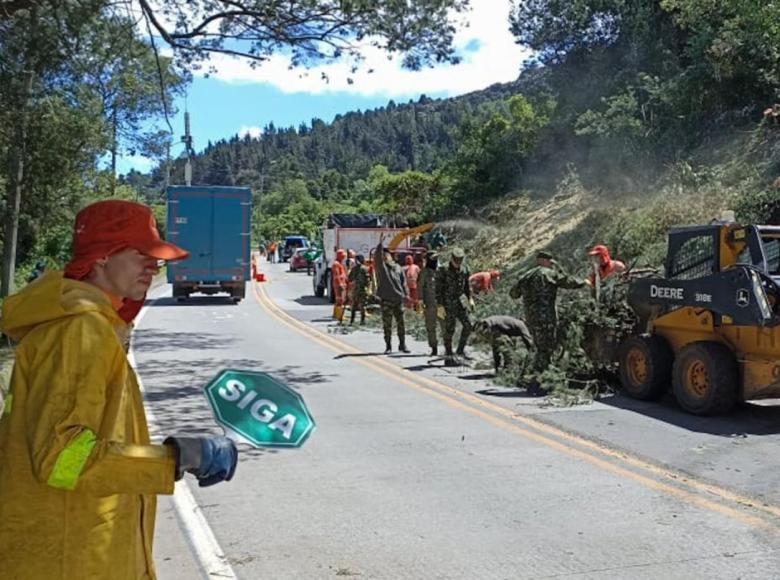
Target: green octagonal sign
column 259, row 409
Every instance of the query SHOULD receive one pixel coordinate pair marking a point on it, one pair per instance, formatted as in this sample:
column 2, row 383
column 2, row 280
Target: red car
column 298, row 260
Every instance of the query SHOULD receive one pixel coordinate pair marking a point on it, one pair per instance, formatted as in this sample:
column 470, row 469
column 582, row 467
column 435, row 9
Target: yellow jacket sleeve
column 86, row 424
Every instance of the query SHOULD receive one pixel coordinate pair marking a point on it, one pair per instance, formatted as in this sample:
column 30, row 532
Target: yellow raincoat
column 78, row 476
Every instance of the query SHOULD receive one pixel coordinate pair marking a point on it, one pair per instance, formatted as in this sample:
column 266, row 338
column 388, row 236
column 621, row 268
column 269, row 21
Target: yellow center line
column 474, row 405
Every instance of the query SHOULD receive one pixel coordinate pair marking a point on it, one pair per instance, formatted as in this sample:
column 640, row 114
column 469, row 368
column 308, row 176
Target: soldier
column 391, row 290
column 501, row 332
column 453, row 294
column 358, row 278
column 427, row 292
column 538, row 287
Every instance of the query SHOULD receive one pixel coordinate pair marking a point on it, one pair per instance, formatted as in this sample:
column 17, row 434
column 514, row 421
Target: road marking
column 472, row 404
column 199, row 536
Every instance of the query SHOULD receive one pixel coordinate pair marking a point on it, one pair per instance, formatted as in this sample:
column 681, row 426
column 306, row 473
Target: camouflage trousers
column 454, row 315
column 545, row 333
column 392, row 310
column 431, row 322
column 358, row 305
column 502, row 346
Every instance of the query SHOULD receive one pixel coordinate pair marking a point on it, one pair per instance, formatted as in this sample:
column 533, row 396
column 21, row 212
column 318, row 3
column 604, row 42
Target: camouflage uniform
column 453, row 293
column 502, row 331
column 427, row 290
column 391, row 290
column 538, row 287
column 359, row 278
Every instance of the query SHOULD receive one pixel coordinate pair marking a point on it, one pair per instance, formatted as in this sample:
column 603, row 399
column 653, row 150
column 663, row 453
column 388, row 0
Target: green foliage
column 412, row 196
column 491, row 154
column 288, row 210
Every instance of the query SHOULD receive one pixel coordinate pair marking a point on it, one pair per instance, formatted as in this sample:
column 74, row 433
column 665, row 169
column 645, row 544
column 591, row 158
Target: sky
column 238, row 99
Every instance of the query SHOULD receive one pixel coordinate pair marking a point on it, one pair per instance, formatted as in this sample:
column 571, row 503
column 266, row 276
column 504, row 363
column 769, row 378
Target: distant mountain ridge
column 415, row 135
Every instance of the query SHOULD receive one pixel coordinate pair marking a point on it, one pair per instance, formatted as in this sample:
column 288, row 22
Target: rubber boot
column 402, row 348
column 388, row 348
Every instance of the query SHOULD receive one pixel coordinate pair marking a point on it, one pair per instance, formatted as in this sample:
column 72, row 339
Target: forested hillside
column 624, row 94
column 630, row 99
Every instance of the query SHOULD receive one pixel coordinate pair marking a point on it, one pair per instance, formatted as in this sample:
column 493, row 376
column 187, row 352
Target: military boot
column 462, row 353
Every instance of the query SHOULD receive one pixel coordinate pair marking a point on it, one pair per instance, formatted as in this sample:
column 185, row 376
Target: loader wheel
column 706, row 380
column 645, row 366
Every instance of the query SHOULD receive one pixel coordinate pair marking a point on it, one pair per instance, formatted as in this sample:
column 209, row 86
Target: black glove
column 210, row 459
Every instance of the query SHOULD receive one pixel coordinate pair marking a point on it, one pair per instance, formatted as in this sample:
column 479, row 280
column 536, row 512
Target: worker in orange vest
column 272, row 252
column 339, row 277
column 483, row 281
column 412, row 272
column 604, row 264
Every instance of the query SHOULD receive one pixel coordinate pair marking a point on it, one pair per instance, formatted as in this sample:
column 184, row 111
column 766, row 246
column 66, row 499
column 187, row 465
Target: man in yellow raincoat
column 78, row 474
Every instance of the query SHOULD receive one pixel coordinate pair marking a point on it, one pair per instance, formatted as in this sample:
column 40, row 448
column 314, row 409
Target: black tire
column 645, row 367
column 706, row 378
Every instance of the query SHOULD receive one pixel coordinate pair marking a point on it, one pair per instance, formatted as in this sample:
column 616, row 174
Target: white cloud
column 489, row 53
column 138, row 162
column 253, row 131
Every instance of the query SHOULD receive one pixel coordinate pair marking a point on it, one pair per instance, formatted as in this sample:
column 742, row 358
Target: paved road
column 417, row 472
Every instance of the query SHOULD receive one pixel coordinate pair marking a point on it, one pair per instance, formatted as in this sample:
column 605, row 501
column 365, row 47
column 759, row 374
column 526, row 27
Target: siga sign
column 257, row 408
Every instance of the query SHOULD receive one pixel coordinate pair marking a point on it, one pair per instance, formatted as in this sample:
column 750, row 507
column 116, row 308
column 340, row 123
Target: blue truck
column 214, row 225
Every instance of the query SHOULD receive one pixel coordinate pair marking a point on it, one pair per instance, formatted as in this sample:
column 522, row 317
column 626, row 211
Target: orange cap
column 599, row 250
column 107, row 227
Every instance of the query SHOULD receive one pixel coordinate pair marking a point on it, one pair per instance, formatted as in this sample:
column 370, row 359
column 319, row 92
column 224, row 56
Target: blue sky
column 238, row 99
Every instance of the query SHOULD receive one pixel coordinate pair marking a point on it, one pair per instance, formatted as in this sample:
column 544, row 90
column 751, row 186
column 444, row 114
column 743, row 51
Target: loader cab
column 698, row 251
column 693, row 252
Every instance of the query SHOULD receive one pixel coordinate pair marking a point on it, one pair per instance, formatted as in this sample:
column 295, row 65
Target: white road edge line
column 200, row 538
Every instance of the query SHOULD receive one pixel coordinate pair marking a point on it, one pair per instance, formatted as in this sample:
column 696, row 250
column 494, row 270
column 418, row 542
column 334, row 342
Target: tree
column 411, row 196
column 133, row 83
column 34, row 48
column 490, row 158
column 311, row 30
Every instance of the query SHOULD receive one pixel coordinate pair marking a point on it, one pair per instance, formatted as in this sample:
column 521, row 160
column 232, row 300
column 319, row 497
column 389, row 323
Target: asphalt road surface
column 416, row 471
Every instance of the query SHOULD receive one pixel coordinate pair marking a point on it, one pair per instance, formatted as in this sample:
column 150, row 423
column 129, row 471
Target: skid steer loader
column 712, row 324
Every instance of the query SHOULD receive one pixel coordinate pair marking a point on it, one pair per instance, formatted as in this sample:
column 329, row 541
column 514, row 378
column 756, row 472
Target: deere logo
column 743, row 298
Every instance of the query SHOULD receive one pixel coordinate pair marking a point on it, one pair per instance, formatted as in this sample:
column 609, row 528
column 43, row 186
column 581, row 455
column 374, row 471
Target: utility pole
column 187, row 139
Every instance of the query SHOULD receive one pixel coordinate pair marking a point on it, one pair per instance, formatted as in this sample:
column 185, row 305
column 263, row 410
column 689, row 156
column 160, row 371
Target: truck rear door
column 230, row 258
column 213, row 224
column 190, row 227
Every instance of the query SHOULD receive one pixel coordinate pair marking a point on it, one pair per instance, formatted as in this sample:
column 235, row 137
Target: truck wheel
column 645, row 366
column 706, row 379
